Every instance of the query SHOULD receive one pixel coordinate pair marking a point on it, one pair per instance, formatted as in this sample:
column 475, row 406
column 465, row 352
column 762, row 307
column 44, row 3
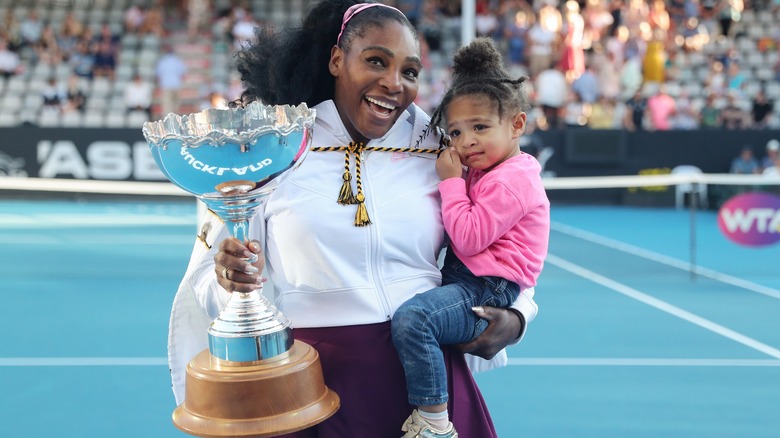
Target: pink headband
column 354, row 10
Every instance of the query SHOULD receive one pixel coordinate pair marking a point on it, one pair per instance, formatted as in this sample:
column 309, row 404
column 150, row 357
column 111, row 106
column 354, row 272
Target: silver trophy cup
column 232, row 160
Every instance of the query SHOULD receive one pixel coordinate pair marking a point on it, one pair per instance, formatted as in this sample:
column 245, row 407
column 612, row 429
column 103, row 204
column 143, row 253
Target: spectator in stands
column 31, row 28
column 10, row 63
column 106, row 35
column 573, row 56
column 429, row 28
column 76, row 97
column 171, row 70
column 154, row 19
column 551, row 93
column 715, row 81
column 243, row 30
column 575, row 113
column 732, row 116
column 631, row 76
column 197, row 16
column 735, row 79
column 67, row 39
column 72, row 26
column 684, row 118
column 516, row 27
column 660, row 107
column 82, row 60
column 745, row 163
column 602, row 114
column 53, row 96
column 105, row 60
column 709, row 115
column 138, row 95
column 729, row 12
column 411, row 8
column 772, row 155
column 9, row 31
column 636, row 112
column 773, row 171
column 541, row 47
column 134, row 18
column 587, row 85
column 485, row 22
column 761, row 111
column 607, row 73
column 47, row 50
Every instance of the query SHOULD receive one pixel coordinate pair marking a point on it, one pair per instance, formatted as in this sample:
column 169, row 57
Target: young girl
column 498, row 220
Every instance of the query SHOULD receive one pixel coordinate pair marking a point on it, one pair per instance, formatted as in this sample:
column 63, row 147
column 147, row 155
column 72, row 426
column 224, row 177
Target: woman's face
column 376, row 80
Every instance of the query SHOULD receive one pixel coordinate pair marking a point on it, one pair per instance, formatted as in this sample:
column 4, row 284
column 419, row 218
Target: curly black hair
column 478, row 69
column 290, row 66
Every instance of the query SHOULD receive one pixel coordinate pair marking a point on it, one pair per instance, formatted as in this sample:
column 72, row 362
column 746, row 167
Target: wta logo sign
column 751, row 219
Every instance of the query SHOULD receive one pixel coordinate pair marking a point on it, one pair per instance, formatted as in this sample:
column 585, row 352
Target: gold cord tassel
column 361, row 215
column 345, row 195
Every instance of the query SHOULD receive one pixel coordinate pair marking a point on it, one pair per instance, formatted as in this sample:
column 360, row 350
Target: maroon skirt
column 360, row 363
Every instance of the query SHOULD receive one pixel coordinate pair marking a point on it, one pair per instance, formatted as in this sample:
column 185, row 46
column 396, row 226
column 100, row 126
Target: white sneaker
column 416, row 427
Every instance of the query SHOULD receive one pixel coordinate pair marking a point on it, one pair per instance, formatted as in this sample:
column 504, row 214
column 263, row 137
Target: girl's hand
column 448, row 164
column 234, row 271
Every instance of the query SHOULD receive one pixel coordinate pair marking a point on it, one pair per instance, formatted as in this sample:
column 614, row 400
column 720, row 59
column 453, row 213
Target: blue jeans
column 443, row 316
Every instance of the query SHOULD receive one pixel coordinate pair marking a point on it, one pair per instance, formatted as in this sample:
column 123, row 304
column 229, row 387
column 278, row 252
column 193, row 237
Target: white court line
column 66, row 220
column 81, row 361
column 528, row 361
column 666, row 260
column 615, row 361
column 662, row 305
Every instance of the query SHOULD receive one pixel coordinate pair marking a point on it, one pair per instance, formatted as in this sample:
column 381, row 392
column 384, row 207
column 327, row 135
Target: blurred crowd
column 632, row 64
column 599, row 64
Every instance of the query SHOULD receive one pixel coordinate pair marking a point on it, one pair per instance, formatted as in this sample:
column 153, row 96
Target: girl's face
column 376, row 80
column 481, row 138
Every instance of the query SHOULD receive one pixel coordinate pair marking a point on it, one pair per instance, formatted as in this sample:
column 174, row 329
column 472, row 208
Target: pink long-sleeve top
column 499, row 221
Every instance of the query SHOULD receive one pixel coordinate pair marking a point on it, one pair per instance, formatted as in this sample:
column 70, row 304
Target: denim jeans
column 443, row 316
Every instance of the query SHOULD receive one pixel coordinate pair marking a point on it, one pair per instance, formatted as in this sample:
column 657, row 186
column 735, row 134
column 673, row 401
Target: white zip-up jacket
column 326, row 271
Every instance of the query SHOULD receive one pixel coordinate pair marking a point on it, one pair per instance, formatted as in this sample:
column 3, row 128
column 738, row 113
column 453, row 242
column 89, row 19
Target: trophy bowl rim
column 182, row 127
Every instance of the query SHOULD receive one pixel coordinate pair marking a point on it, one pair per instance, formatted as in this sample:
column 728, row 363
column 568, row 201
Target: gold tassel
column 361, row 216
column 345, row 195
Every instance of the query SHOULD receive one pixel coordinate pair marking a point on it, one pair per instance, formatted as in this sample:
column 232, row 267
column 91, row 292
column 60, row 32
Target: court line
column 98, row 219
column 81, row 361
column 535, row 361
column 662, row 305
column 666, row 260
column 636, row 362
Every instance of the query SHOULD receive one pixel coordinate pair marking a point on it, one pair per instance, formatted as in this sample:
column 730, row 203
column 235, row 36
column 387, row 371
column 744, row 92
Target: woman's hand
column 234, row 271
column 504, row 327
column 448, row 164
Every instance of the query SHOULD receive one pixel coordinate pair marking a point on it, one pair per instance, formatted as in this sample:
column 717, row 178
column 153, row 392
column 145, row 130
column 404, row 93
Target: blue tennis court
column 628, row 343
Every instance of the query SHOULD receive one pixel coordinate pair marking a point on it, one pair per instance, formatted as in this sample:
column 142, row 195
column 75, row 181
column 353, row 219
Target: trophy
column 254, row 380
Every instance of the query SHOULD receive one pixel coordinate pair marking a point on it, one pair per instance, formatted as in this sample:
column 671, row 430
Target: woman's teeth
column 386, row 106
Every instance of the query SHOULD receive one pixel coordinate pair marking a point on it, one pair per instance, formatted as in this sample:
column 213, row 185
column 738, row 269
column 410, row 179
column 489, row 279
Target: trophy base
column 266, row 398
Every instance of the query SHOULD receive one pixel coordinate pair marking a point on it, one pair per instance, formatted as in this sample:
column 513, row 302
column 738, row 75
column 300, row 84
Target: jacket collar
column 328, row 115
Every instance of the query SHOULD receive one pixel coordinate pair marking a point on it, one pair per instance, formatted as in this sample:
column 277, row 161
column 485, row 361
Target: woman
column 340, row 275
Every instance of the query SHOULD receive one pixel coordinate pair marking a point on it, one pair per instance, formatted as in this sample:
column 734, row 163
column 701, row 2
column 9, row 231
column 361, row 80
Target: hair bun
column 477, row 58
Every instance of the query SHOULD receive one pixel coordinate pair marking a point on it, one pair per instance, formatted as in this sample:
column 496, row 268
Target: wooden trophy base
column 266, row 398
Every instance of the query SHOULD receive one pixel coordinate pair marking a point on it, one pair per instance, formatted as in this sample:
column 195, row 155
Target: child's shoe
column 416, row 427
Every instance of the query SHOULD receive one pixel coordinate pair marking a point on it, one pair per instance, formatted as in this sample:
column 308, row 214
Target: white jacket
column 326, row 271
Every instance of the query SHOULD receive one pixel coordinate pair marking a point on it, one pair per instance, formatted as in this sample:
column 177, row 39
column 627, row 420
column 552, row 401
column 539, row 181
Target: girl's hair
column 478, row 69
column 290, row 66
